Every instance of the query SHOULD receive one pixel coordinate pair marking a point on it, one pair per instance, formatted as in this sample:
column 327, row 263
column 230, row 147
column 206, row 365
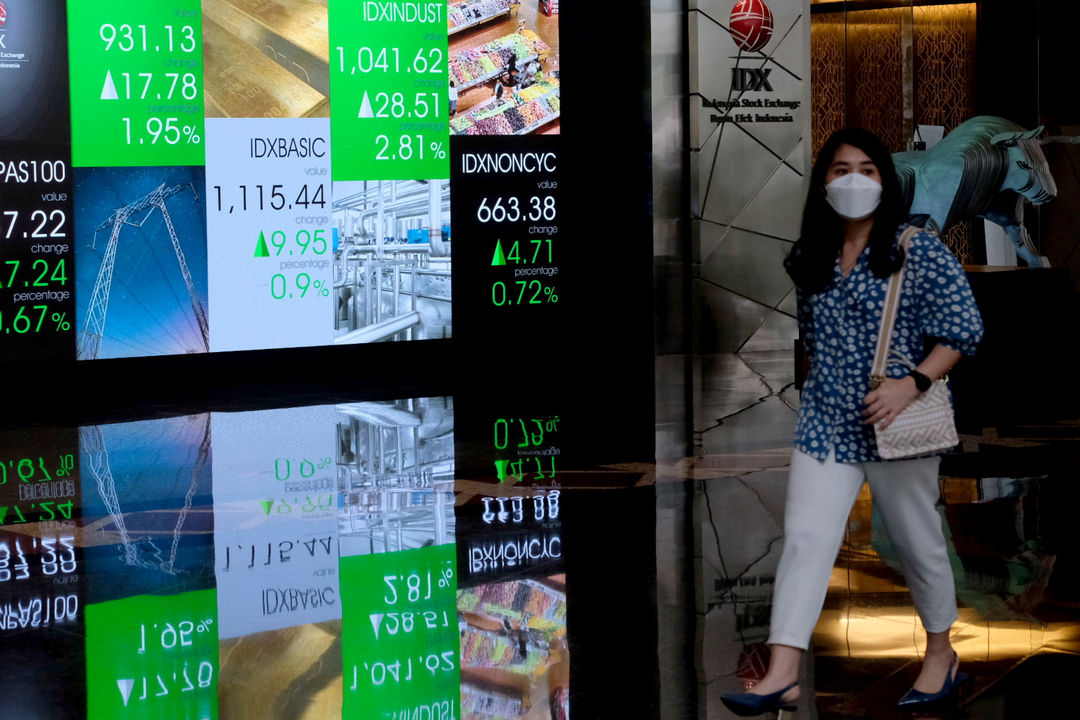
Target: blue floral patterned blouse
column 840, row 327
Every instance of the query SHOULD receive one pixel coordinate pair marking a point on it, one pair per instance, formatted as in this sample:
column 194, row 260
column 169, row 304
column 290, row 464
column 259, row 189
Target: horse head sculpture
column 986, row 167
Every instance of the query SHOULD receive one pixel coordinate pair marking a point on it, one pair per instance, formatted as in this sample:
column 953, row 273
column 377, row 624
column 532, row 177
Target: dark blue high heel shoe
column 749, row 704
column 915, row 700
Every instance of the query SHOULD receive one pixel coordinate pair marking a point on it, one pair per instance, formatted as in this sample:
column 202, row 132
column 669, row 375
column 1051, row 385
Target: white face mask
column 853, row 196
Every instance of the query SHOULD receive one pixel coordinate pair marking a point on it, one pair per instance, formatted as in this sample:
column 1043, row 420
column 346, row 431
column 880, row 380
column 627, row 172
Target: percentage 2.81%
column 406, row 148
column 416, row 586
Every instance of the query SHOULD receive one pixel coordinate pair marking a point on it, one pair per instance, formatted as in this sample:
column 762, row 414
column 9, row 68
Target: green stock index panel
column 136, row 83
column 388, row 69
column 202, row 176
column 153, row 657
column 400, row 644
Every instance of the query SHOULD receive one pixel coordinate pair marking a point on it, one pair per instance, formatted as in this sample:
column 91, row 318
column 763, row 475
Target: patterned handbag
column 925, row 426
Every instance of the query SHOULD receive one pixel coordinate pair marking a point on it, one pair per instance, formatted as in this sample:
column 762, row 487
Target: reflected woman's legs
column 906, row 494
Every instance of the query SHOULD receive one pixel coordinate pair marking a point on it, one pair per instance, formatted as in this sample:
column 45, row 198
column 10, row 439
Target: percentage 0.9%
column 407, row 147
column 522, row 292
column 168, row 130
column 301, row 286
column 32, row 320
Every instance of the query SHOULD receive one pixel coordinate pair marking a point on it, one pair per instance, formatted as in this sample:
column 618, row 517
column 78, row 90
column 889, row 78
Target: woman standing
column 841, row 264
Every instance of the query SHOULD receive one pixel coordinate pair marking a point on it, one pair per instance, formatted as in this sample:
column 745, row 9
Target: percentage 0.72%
column 522, row 292
column 167, row 130
column 407, row 147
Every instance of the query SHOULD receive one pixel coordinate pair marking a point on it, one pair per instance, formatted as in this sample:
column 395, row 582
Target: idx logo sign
column 743, row 79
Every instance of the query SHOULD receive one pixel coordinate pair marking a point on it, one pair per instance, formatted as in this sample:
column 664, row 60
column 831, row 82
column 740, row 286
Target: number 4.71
column 538, row 244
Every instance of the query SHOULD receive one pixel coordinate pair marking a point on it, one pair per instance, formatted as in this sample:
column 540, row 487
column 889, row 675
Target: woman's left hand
column 889, row 400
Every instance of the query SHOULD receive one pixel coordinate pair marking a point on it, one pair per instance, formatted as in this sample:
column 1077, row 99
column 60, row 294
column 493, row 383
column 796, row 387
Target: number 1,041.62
column 388, row 60
column 401, row 672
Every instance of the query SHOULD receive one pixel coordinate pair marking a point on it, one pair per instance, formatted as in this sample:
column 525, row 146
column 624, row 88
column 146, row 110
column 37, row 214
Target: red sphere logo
column 751, row 24
column 3, row 14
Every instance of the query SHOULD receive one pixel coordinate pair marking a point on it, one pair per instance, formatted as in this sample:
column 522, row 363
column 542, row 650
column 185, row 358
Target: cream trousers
column 819, row 498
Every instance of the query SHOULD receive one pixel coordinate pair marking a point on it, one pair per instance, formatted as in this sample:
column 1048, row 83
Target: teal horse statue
column 987, row 167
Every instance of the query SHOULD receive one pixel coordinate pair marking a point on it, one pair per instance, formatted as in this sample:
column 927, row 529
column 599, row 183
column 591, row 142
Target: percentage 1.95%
column 168, row 130
column 179, row 635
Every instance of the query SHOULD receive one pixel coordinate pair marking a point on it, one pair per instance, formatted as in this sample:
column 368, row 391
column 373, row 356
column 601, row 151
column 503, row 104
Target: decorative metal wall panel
column 749, row 134
column 828, row 42
column 857, row 61
column 944, row 42
column 875, row 77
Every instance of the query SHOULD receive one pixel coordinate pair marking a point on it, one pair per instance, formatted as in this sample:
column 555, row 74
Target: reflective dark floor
column 1008, row 504
column 317, row 561
column 429, row 557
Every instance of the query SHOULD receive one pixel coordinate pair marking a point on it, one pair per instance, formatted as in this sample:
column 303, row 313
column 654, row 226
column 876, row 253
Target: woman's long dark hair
column 813, row 257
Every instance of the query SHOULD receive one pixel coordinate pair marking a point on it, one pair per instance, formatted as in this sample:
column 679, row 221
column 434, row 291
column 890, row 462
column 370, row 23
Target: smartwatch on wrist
column 921, row 381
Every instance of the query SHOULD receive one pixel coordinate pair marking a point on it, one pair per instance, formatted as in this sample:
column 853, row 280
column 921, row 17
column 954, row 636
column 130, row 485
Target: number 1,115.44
column 275, row 199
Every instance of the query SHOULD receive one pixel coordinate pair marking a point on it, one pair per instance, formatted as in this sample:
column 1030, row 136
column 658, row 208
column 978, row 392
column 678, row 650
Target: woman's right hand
column 889, row 400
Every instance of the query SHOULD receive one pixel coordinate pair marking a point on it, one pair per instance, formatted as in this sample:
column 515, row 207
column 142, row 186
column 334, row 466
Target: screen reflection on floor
column 300, row 562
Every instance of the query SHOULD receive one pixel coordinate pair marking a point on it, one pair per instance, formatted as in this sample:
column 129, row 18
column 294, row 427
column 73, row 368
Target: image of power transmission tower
column 136, row 215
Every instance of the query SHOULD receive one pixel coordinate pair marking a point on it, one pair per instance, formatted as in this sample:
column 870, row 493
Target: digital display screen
column 195, row 176
column 184, row 566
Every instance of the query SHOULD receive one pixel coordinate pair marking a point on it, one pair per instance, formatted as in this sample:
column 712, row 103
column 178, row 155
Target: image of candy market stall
column 504, row 63
column 464, row 14
column 514, row 657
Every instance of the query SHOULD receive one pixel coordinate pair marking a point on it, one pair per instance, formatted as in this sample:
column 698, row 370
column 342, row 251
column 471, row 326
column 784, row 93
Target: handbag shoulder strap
column 888, row 314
